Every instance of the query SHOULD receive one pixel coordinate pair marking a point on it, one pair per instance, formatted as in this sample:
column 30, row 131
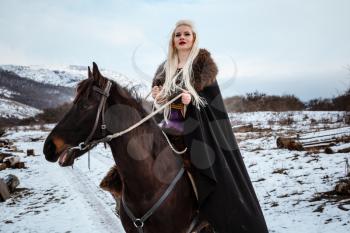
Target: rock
column 12, row 182
column 30, row 152
column 4, row 191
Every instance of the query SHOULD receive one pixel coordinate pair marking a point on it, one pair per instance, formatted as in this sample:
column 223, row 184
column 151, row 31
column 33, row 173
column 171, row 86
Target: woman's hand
column 155, row 94
column 185, row 97
column 155, row 91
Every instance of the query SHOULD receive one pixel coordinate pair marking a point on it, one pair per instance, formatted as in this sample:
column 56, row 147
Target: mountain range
column 26, row 90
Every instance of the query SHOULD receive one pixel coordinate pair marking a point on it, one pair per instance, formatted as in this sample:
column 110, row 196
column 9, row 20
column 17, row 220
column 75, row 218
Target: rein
column 105, row 93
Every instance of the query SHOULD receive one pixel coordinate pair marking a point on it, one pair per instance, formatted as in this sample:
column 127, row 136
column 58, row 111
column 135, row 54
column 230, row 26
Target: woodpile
column 8, row 160
column 317, row 140
column 7, row 186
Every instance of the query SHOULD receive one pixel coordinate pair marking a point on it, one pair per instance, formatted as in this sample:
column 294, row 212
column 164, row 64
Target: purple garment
column 175, row 124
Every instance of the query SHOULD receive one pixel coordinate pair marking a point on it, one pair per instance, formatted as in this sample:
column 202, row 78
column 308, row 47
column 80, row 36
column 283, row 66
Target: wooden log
column 30, row 152
column 11, row 161
column 345, row 150
column 243, row 128
column 12, row 182
column 5, row 142
column 19, row 165
column 4, row 191
column 319, row 140
column 3, row 166
column 289, row 143
column 3, row 156
column 12, row 148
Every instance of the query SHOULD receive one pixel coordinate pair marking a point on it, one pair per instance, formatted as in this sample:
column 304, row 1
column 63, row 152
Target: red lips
column 182, row 43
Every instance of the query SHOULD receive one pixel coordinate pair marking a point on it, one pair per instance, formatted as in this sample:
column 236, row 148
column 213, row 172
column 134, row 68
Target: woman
column 199, row 122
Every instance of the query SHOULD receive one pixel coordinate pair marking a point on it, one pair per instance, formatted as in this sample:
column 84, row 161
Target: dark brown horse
column 146, row 164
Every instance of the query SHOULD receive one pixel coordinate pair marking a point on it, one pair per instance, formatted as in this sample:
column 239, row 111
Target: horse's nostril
column 50, row 151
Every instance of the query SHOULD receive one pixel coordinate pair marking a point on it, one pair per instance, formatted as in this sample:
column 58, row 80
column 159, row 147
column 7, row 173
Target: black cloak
column 226, row 197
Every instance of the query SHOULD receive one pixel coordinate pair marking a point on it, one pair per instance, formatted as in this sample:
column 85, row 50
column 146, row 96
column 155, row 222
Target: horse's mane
column 129, row 93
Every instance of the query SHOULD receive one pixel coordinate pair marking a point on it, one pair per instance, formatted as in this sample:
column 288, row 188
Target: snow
column 58, row 199
column 13, row 109
column 69, row 200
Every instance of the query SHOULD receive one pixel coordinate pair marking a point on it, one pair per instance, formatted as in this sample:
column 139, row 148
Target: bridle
column 100, row 111
column 88, row 144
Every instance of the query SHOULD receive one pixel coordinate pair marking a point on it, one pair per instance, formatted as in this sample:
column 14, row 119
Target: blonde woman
column 199, row 122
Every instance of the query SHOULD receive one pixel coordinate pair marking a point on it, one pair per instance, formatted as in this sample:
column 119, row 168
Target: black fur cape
column 226, row 195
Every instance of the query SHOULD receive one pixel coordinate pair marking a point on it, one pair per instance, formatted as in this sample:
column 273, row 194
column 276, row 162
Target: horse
column 149, row 172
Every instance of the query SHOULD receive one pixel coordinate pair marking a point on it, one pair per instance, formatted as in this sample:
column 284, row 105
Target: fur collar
column 204, row 71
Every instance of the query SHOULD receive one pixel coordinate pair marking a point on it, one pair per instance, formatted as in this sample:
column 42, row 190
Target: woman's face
column 183, row 38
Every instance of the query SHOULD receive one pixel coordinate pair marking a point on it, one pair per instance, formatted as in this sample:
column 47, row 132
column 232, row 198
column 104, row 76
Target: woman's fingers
column 185, row 98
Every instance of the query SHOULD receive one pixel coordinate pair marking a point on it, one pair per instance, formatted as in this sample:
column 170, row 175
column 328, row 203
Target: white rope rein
column 110, row 137
column 118, row 134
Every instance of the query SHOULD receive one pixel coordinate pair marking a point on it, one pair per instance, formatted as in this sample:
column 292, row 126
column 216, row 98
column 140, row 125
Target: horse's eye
column 84, row 105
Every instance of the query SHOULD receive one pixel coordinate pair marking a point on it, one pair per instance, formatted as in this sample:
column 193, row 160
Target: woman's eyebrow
column 184, row 32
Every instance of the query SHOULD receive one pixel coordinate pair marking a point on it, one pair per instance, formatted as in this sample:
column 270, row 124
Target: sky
column 298, row 47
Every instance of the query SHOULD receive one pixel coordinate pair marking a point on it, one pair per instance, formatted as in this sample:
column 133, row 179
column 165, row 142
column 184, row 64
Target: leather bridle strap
column 100, row 110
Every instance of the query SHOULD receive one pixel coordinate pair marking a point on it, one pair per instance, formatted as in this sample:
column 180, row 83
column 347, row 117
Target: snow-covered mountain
column 65, row 76
column 39, row 87
column 14, row 109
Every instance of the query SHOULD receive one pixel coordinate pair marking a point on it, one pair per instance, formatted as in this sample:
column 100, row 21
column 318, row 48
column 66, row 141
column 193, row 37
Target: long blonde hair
column 170, row 66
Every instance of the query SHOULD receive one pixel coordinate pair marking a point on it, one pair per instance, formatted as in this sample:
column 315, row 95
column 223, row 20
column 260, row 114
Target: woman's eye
column 177, row 35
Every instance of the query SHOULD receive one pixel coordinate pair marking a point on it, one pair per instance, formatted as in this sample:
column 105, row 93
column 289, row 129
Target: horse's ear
column 97, row 76
column 89, row 72
column 95, row 71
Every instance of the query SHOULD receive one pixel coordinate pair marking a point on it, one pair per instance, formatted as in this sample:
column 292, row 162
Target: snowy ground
column 55, row 199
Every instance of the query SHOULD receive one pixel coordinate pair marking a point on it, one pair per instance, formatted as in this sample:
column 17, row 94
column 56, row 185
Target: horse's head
column 81, row 123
